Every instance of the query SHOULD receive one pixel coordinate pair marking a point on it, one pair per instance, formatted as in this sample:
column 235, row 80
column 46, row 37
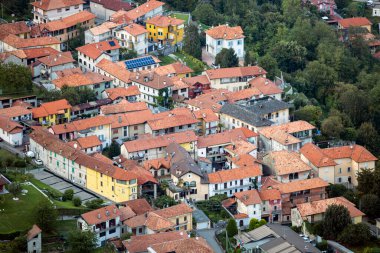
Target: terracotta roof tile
column 82, row 124
column 115, row 93
column 226, row 32
column 270, row 194
column 135, row 29
column 197, row 79
column 33, row 232
column 57, row 59
column 50, row 108
column 81, row 79
column 101, row 215
column 265, row 86
column 207, row 115
column 15, row 28
column 68, row 72
column 175, row 68
column 88, row 142
column 151, row 79
column 245, row 94
column 240, row 147
column 103, row 28
column 123, row 107
column 223, row 138
column 235, row 72
column 140, row 243
column 20, row 43
column 316, row 156
column 171, row 121
column 15, row 111
column 285, row 162
column 356, row 152
column 143, row 9
column 55, row 4
column 223, row 176
column 174, row 211
column 9, row 126
column 139, row 206
column 114, row 70
column 301, row 185
column 126, row 213
column 356, row 21
column 151, row 142
column 188, row 245
column 248, row 198
column 33, row 53
column 320, row 206
column 69, row 21
column 94, row 50
column 244, row 160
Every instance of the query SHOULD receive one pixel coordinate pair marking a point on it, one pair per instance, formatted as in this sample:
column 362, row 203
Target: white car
column 38, row 162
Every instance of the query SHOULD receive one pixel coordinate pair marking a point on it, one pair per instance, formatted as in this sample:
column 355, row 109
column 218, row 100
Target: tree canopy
column 336, row 218
column 227, row 58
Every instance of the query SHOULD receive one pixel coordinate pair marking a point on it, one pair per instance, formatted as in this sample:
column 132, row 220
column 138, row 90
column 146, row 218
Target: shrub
column 77, row 201
column 53, row 193
column 68, row 195
column 231, row 228
column 94, row 204
column 20, row 163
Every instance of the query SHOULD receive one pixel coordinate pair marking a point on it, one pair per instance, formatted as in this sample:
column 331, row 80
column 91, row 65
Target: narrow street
column 209, row 236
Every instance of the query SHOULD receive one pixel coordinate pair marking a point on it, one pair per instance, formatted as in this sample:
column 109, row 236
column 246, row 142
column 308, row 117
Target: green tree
column 332, row 126
column 231, row 228
column 126, row 54
column 192, row 42
column 255, row 223
column 15, row 189
column 77, row 201
column 205, row 13
column 114, row 149
column 368, row 136
column 336, row 190
column 370, row 205
column 270, row 64
column 83, row 241
column 68, row 194
column 19, row 244
column 354, row 103
column 46, row 216
column 355, row 234
column 336, row 218
column 310, row 113
column 19, row 76
column 290, row 55
column 94, row 204
column 227, row 58
column 366, row 180
column 164, row 201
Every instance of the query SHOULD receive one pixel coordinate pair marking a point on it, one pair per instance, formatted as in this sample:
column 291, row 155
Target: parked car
column 38, row 162
column 29, row 154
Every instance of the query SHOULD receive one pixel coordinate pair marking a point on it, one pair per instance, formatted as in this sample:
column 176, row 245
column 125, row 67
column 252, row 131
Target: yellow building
column 164, row 30
column 53, row 113
column 111, row 182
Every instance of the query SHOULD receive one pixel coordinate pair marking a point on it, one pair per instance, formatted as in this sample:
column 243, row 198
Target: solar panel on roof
column 112, row 43
column 140, row 62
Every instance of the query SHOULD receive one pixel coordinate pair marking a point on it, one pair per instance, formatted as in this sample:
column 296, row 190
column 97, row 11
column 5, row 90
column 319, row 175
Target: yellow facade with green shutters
column 110, row 187
column 55, row 119
column 169, row 30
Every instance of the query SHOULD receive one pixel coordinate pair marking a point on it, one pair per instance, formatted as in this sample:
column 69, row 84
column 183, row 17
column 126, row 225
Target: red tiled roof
column 235, row 72
column 114, row 70
column 67, row 22
column 164, row 21
column 143, row 9
column 135, row 29
column 265, row 86
column 356, row 152
column 139, row 206
column 316, row 156
column 174, row 211
column 33, row 232
column 270, row 194
column 188, row 245
column 248, row 198
column 115, row 93
column 301, row 185
column 14, row 28
column 225, row 32
column 32, row 53
column 175, row 68
column 94, row 50
column 101, row 215
column 15, row 111
column 82, row 124
column 123, row 107
column 50, row 108
column 171, row 121
column 57, row 59
column 285, row 162
column 223, row 176
column 20, row 43
column 224, row 138
column 207, row 115
column 357, row 21
column 81, row 79
column 320, row 206
column 55, row 4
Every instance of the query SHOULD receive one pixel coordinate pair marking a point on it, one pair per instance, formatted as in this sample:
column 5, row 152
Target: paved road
column 61, row 185
column 209, row 235
column 288, row 234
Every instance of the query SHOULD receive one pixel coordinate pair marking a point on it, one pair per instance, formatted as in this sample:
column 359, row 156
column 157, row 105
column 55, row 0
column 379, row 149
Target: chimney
column 114, row 210
column 119, row 119
column 107, row 213
column 99, row 216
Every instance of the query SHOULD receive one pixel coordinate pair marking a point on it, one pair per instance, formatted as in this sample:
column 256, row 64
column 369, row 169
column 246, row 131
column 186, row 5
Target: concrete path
column 209, row 236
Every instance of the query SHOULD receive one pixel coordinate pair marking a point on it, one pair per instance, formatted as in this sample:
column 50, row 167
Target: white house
column 119, row 75
column 248, row 203
column 224, row 36
column 99, row 33
column 91, row 54
column 104, row 222
column 231, row 181
column 149, row 9
column 104, row 9
column 133, row 37
column 34, row 240
column 10, row 131
column 57, row 62
column 376, row 10
column 49, row 10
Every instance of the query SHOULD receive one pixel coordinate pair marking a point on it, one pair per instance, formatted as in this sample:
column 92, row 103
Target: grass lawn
column 64, row 227
column 165, row 60
column 18, row 215
column 189, row 62
column 182, row 16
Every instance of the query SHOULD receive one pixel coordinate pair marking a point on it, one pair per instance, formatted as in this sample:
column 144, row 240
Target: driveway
column 209, row 236
column 293, row 238
column 207, row 57
column 61, row 185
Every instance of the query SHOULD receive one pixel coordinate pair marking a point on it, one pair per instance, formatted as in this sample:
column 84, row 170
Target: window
column 230, row 43
column 76, row 6
column 348, row 169
column 185, row 218
column 177, row 221
column 67, row 8
column 189, row 125
column 59, row 10
column 225, row 185
column 101, row 184
column 112, row 231
column 216, row 187
column 239, row 42
column 340, row 171
column 113, row 188
column 135, row 127
column 219, row 42
column 180, row 127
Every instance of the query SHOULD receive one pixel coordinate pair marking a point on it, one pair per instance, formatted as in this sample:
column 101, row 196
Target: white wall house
column 133, row 37
column 104, row 222
column 45, row 10
column 10, row 131
column 99, row 33
column 224, row 36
